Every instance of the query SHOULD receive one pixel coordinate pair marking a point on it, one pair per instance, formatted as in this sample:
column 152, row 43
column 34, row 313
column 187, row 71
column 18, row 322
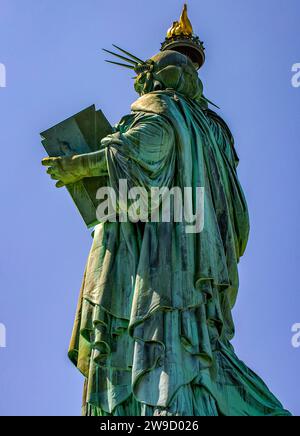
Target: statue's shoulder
column 157, row 102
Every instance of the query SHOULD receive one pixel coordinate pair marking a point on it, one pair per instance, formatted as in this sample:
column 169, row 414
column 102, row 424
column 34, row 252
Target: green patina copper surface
column 153, row 326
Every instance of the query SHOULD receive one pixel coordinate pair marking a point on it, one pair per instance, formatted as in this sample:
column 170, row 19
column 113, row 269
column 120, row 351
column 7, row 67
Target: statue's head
column 175, row 67
column 169, row 70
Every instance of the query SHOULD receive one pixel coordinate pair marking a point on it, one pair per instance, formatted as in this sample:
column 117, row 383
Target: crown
column 180, row 37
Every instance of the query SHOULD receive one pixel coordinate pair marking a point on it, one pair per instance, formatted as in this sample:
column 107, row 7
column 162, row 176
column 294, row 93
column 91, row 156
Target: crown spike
column 129, row 54
column 120, row 57
column 131, row 67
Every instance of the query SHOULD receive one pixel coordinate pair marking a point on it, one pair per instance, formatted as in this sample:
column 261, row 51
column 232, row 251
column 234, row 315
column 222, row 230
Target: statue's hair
column 170, row 70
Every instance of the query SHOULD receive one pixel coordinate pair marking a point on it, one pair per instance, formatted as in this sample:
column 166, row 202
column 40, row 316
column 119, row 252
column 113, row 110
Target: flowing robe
column 153, row 325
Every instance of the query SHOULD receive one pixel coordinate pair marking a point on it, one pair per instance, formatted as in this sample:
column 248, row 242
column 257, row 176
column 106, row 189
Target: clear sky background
column 55, row 68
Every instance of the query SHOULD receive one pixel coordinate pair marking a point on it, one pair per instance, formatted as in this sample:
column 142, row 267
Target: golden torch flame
column 181, row 27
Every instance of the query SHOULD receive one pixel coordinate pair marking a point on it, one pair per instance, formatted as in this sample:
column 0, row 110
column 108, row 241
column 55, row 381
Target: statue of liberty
column 153, row 328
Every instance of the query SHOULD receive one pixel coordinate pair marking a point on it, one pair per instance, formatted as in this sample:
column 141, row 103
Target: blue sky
column 54, row 66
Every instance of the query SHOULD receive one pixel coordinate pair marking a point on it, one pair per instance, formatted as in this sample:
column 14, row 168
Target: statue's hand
column 67, row 170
